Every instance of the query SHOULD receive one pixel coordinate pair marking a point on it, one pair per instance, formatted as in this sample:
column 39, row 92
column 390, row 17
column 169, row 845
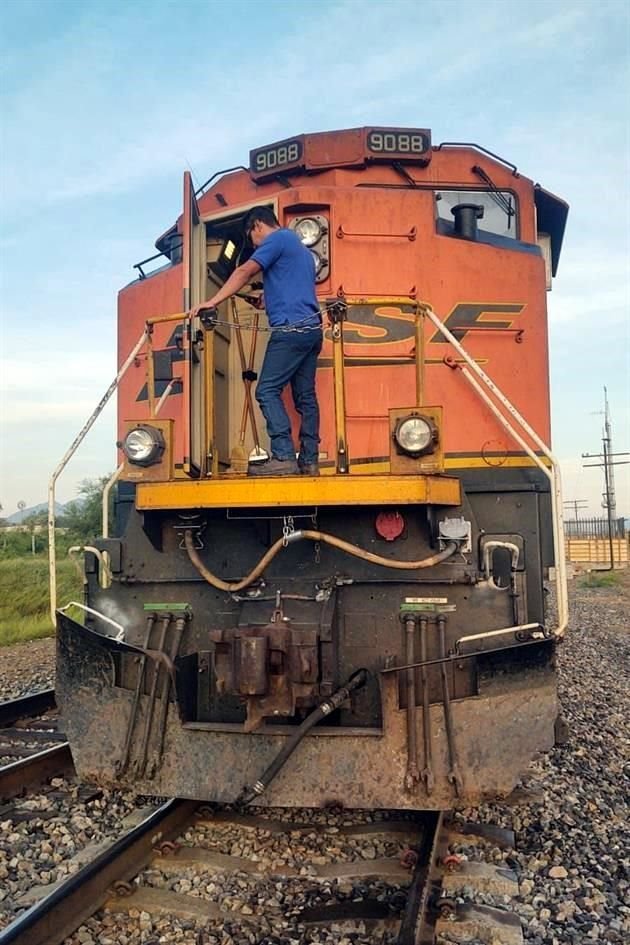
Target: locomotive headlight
column 416, row 435
column 317, row 259
column 312, row 231
column 143, row 445
column 309, row 230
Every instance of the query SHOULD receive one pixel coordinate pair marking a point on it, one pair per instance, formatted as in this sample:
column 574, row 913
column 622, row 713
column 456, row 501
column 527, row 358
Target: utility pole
column 578, row 505
column 608, row 457
column 611, row 501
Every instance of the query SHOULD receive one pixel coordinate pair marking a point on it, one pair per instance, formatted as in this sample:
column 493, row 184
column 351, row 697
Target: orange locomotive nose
column 354, row 608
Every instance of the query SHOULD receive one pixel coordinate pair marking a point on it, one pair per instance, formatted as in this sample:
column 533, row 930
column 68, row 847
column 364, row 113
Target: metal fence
column 594, row 528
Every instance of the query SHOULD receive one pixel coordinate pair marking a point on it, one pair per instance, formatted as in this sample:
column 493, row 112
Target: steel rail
column 63, row 910
column 32, row 704
column 19, row 776
column 413, row 922
column 68, row 905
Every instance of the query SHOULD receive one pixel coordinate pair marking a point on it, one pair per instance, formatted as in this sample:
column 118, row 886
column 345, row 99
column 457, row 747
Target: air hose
column 358, row 679
column 350, row 549
column 309, row 534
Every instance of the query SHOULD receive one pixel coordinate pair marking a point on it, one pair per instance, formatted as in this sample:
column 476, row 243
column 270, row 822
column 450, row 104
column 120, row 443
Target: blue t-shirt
column 289, row 279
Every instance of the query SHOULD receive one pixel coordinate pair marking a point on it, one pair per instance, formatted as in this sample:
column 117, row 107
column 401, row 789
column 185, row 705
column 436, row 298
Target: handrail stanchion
column 420, row 357
column 210, row 457
column 150, row 373
column 107, row 488
column 337, row 314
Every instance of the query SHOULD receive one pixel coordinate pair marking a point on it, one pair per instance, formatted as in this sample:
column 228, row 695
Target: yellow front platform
column 299, row 490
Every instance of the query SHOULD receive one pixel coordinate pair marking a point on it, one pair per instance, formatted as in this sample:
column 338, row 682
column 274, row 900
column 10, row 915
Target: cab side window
column 499, row 210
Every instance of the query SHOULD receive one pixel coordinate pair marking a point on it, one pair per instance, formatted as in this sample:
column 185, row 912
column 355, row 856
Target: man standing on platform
column 294, row 345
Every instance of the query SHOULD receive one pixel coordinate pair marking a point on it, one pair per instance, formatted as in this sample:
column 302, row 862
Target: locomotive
column 375, row 636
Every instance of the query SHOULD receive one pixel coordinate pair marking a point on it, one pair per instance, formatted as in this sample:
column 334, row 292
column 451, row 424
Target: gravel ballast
column 43, row 834
column 572, row 852
column 570, row 818
column 26, row 667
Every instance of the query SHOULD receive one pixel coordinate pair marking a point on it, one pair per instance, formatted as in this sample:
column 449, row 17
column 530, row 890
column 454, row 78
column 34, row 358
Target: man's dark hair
column 260, row 215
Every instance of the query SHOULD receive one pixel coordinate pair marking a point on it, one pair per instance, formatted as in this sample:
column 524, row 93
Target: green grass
column 600, row 579
column 24, row 596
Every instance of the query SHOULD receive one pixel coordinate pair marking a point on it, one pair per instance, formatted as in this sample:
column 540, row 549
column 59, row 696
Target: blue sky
column 104, row 104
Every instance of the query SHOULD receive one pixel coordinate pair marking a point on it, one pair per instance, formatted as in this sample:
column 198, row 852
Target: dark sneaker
column 309, row 469
column 274, row 467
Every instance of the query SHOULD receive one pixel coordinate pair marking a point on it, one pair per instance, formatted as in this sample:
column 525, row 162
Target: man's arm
column 241, row 276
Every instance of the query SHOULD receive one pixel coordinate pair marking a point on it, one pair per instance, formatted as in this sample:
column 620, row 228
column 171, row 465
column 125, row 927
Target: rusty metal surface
column 418, row 896
column 275, row 668
column 496, row 733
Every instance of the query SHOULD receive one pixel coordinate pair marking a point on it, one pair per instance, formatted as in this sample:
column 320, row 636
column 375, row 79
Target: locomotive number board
column 275, row 158
column 354, row 147
column 398, row 143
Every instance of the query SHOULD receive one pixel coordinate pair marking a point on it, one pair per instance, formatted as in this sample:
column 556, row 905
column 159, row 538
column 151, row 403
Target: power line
column 578, row 506
column 609, row 457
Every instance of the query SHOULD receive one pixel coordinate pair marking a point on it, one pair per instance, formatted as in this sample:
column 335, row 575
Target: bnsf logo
column 384, row 334
column 373, row 334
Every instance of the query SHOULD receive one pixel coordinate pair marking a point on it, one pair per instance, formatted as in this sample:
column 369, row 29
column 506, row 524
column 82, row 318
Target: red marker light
column 390, row 525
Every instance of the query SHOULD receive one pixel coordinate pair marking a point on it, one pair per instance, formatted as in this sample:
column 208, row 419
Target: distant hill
column 18, row 517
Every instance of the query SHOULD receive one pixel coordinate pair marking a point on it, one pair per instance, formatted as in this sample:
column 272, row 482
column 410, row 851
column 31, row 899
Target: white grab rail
column 120, row 631
column 52, row 553
column 553, row 473
column 107, row 488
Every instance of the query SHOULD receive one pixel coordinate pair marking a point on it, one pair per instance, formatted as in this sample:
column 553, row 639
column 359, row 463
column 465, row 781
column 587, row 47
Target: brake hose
column 358, row 679
column 309, row 534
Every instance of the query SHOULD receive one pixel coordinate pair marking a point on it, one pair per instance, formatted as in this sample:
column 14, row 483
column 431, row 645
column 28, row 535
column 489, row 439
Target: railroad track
column 407, row 897
column 32, row 748
column 383, row 877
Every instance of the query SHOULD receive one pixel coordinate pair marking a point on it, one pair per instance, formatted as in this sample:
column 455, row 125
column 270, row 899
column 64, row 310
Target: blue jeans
column 291, row 357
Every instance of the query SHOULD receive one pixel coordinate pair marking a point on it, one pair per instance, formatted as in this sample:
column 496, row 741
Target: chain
column 299, row 328
column 270, row 329
column 287, row 529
